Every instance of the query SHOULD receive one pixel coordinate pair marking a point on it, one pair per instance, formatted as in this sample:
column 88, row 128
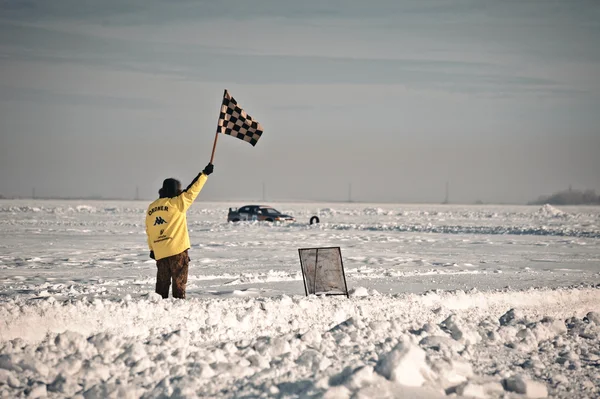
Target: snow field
column 459, row 301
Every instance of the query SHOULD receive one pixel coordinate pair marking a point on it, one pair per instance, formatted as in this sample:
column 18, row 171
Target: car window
column 245, row 209
column 270, row 211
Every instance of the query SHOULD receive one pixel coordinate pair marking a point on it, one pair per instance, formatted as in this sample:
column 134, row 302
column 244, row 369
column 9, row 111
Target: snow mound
column 525, row 386
column 376, row 212
column 406, row 365
column 85, row 209
column 549, row 211
column 327, row 212
column 359, row 292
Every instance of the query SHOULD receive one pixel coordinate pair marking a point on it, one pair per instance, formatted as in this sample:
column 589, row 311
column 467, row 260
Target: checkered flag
column 234, row 121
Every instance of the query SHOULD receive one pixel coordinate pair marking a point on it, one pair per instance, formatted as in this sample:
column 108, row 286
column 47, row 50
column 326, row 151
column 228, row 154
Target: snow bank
column 432, row 345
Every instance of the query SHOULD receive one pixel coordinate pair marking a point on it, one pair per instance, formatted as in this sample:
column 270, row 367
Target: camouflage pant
column 175, row 267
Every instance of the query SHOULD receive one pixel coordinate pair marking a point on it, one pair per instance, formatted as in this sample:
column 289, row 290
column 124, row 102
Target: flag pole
column 212, row 156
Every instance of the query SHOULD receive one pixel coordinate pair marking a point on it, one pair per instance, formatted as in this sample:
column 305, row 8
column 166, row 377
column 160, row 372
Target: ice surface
column 473, row 301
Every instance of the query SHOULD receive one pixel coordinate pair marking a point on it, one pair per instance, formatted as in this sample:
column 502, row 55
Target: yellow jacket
column 166, row 222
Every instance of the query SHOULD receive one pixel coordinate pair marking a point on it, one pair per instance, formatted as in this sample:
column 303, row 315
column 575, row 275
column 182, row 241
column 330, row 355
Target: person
column 168, row 238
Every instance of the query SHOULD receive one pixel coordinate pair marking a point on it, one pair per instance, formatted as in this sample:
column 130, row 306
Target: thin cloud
column 54, row 97
column 205, row 64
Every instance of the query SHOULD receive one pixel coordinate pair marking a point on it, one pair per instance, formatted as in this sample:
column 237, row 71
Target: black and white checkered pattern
column 234, row 121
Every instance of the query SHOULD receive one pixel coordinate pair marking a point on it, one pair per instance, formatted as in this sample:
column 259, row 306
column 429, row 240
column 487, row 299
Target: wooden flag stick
column 212, row 156
column 214, row 147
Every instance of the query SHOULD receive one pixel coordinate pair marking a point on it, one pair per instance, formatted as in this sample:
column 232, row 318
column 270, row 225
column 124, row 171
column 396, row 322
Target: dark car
column 257, row 212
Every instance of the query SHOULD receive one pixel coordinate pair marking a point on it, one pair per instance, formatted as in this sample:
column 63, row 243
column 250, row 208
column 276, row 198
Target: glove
column 152, row 254
column 208, row 169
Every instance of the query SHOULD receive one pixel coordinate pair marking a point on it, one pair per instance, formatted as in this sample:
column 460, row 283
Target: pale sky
column 499, row 98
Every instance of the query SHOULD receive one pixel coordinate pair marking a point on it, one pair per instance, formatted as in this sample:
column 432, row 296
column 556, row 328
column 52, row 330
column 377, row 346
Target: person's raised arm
column 187, row 197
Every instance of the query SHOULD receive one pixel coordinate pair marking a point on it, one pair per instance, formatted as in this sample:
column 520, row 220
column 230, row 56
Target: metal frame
column 316, row 260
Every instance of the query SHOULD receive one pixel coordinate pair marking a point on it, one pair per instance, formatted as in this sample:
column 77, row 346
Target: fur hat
column 170, row 188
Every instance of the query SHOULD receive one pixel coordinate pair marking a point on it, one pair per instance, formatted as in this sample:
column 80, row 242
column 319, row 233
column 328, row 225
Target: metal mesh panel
column 323, row 271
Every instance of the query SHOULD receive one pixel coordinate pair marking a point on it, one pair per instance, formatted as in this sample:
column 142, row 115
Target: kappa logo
column 159, row 220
